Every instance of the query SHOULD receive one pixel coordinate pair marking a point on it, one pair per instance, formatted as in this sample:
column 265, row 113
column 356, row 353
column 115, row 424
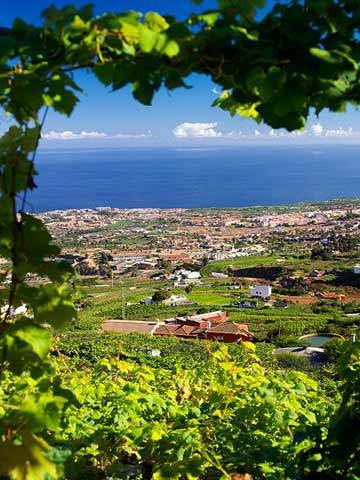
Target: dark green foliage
column 161, row 295
column 321, row 252
column 342, row 243
column 290, row 360
column 323, row 307
column 334, row 349
column 287, row 341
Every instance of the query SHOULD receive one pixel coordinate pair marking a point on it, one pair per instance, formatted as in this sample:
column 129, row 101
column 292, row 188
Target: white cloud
column 317, row 129
column 339, row 132
column 69, row 135
column 215, row 91
column 195, row 130
column 134, row 135
column 209, row 130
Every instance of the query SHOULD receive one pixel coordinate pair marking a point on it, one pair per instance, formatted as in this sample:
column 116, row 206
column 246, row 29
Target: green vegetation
column 161, row 295
column 249, row 261
column 291, row 361
column 227, row 416
column 349, row 203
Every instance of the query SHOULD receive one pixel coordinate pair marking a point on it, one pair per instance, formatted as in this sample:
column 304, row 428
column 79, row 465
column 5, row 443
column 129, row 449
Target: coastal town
column 280, row 275
column 137, row 239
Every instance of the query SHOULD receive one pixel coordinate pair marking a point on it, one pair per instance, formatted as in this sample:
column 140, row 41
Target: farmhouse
column 261, row 291
column 180, row 331
column 203, row 319
column 331, row 296
column 194, row 327
column 230, row 332
column 176, row 300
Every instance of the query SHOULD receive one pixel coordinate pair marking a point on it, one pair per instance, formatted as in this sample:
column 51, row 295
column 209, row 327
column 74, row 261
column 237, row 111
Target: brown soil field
column 299, row 300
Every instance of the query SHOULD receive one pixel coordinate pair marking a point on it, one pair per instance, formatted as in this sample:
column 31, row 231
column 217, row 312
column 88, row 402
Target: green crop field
column 249, row 261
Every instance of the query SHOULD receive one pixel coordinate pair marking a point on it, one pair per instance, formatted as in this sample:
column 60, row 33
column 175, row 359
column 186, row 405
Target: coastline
column 335, row 203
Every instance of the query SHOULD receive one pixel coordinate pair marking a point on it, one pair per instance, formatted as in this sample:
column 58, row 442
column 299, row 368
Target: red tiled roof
column 175, row 257
column 176, row 330
column 231, row 328
column 129, row 254
column 331, row 295
column 185, row 330
column 198, row 331
column 208, row 316
column 166, row 329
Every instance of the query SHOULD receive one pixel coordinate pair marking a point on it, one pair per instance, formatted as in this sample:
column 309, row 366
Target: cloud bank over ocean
column 209, row 130
column 208, row 133
column 83, row 135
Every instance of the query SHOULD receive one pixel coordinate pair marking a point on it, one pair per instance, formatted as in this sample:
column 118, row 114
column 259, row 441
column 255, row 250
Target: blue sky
column 180, row 117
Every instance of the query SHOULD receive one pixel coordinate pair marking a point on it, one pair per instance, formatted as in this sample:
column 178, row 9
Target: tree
column 164, row 264
column 161, row 295
column 301, row 55
column 333, row 349
column 102, row 262
column 342, row 243
column 204, row 261
column 321, row 252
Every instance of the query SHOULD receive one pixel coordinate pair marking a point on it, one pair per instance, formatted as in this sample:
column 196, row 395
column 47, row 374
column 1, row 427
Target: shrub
column 291, row 360
column 333, row 349
column 288, row 341
column 161, row 295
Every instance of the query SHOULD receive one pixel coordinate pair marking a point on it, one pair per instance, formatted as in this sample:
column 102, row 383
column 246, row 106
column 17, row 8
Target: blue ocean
column 194, row 177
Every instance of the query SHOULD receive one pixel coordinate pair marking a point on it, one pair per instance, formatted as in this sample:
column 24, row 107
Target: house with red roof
column 331, row 296
column 230, row 332
column 180, row 331
column 208, row 326
column 203, row 319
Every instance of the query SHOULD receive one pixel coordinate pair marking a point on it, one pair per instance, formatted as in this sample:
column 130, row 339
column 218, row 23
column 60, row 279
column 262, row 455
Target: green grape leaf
column 147, row 39
column 143, row 92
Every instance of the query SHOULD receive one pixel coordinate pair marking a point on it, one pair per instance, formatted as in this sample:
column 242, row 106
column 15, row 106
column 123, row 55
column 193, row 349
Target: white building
column 175, row 300
column 191, row 275
column 357, row 269
column 261, row 291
